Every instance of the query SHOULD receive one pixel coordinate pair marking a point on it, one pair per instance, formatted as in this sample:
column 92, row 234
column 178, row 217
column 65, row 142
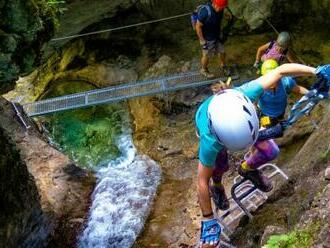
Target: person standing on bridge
column 228, row 121
column 208, row 29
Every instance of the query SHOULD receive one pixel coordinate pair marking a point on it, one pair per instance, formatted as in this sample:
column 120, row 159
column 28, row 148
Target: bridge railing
column 118, row 93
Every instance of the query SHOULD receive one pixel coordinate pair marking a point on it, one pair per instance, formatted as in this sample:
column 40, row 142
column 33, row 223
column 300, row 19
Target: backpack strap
column 284, row 55
column 271, row 44
column 208, row 9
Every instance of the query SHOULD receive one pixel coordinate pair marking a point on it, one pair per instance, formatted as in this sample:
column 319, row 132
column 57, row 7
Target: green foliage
column 295, row 239
column 58, row 5
column 325, row 156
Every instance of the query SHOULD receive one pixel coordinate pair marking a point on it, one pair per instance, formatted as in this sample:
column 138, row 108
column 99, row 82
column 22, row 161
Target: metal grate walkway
column 119, row 93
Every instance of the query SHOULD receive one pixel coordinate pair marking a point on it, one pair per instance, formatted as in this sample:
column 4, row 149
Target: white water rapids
column 121, row 200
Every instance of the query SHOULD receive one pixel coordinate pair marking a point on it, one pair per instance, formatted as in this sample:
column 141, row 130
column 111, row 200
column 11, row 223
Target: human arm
column 210, row 228
column 290, row 57
column 299, row 90
column 204, row 175
column 261, row 50
column 199, row 32
column 228, row 14
column 271, row 79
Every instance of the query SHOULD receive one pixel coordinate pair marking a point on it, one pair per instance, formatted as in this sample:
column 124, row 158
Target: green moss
column 295, row 239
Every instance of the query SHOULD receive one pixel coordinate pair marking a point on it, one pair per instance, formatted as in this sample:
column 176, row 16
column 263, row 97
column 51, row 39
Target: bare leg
column 205, row 62
column 218, row 191
column 222, row 59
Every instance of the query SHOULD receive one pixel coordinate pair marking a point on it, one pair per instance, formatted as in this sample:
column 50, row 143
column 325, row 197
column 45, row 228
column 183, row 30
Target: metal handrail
column 119, row 93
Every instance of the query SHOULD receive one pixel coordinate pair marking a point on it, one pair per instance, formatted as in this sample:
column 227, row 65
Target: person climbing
column 277, row 50
column 208, row 29
column 228, row 121
column 273, row 102
column 272, row 105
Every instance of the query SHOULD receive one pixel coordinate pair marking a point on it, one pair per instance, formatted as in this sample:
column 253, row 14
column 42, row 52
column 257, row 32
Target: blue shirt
column 273, row 102
column 211, row 22
column 209, row 147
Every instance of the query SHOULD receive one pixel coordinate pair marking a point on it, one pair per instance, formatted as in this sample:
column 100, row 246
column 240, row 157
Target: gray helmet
column 284, row 40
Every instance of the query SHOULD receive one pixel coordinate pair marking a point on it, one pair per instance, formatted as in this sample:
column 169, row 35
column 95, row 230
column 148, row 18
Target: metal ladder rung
column 246, row 198
column 251, row 202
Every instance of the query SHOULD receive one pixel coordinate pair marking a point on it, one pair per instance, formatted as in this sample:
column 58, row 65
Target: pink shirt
column 274, row 53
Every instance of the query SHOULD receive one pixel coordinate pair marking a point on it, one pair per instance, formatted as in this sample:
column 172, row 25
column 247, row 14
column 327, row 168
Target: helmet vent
column 246, row 110
column 246, row 99
column 251, row 126
column 254, row 135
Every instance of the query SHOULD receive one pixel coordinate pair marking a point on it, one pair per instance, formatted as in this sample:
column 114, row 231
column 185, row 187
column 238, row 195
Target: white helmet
column 233, row 120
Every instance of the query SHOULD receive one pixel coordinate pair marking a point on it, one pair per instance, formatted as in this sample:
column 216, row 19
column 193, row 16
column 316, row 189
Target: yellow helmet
column 268, row 65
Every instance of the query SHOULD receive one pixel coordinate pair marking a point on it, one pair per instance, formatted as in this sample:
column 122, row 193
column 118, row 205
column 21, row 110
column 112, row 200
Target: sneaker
column 219, row 197
column 257, row 178
column 206, row 73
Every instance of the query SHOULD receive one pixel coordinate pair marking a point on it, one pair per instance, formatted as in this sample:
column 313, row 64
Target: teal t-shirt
column 209, row 147
column 273, row 102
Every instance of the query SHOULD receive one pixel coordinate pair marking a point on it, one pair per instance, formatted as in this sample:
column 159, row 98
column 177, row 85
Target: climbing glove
column 322, row 85
column 210, row 231
column 323, row 72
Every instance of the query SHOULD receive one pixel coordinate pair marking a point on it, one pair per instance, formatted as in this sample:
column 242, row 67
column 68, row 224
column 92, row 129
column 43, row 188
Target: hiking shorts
column 213, row 47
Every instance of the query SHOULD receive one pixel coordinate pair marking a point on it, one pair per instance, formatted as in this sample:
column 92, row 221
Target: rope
column 119, row 28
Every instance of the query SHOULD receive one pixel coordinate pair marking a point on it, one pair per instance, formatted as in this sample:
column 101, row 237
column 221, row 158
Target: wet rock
column 54, row 189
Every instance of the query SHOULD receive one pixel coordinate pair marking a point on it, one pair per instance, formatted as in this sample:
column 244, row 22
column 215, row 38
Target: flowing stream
column 100, row 139
column 121, row 199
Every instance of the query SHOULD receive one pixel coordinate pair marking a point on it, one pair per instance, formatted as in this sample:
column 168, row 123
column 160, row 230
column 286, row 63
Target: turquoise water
column 87, row 135
column 100, row 138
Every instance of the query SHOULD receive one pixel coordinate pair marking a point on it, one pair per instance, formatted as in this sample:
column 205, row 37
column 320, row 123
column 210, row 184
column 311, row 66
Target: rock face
column 25, row 25
column 21, row 215
column 22, row 35
column 82, row 13
column 44, row 192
